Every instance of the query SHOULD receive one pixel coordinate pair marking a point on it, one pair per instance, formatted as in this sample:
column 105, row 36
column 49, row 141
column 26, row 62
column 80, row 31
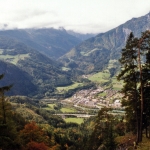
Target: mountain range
column 36, row 61
column 95, row 53
column 51, row 42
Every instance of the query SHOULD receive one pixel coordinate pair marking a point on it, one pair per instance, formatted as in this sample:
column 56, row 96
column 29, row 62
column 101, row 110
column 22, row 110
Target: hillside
column 28, row 56
column 35, row 73
column 51, row 42
column 94, row 54
column 17, row 77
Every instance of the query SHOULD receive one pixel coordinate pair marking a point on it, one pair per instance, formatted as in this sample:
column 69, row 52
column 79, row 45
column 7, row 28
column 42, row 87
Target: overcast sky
column 86, row 16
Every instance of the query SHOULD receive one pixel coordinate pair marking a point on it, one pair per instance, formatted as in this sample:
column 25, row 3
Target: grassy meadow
column 75, row 120
column 117, row 85
column 51, row 105
column 102, row 94
column 66, row 88
column 100, row 77
column 63, row 109
column 12, row 58
column 67, row 110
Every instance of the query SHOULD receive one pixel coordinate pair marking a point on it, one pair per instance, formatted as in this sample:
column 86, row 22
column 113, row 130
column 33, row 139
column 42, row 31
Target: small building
column 117, row 103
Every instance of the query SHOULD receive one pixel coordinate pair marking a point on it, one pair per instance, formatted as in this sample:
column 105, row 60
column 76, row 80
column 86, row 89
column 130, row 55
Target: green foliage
column 130, row 77
column 112, row 71
column 135, row 74
column 8, row 123
column 38, row 73
column 17, row 77
column 103, row 134
column 4, row 105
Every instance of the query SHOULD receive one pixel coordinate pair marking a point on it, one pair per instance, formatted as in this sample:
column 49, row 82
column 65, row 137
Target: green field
column 51, row 105
column 117, row 85
column 62, row 109
column 67, row 110
column 100, row 77
column 66, row 88
column 75, row 120
column 13, row 58
column 102, row 94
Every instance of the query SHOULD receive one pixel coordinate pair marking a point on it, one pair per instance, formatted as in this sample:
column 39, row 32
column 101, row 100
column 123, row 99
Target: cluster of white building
column 88, row 98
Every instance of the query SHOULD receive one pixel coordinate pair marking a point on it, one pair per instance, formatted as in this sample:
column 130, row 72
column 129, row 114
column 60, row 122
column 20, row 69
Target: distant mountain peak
column 62, row 29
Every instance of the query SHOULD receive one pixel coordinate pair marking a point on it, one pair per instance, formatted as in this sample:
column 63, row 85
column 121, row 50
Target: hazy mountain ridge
column 81, row 36
column 89, row 55
column 51, row 42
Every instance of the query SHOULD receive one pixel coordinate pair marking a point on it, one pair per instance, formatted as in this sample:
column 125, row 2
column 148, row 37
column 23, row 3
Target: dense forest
column 105, row 131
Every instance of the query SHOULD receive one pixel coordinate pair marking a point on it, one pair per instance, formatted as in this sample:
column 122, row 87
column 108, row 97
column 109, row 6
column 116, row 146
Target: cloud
column 79, row 15
column 3, row 26
column 27, row 14
column 89, row 27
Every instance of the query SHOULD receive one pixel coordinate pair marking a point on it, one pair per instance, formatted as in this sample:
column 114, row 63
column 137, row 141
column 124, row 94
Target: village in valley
column 96, row 98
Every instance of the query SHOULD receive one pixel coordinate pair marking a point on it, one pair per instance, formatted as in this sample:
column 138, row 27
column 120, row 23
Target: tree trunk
column 141, row 90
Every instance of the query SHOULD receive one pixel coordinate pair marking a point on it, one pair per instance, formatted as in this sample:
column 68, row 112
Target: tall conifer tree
column 144, row 47
column 130, row 75
column 135, row 63
column 3, row 103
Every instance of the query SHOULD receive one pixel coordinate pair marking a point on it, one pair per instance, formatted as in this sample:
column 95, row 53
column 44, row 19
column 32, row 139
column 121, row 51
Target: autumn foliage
column 36, row 146
column 34, row 137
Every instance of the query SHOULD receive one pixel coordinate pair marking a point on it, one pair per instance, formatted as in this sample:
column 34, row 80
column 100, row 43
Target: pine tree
column 7, row 128
column 130, row 75
column 135, row 63
column 3, row 102
column 144, row 47
column 103, row 136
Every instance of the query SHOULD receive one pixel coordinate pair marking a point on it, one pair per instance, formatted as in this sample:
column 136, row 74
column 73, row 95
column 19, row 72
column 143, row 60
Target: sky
column 84, row 16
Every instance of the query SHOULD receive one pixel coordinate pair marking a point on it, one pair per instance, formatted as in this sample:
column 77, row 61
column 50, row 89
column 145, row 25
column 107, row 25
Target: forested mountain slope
column 42, row 73
column 95, row 53
column 21, row 81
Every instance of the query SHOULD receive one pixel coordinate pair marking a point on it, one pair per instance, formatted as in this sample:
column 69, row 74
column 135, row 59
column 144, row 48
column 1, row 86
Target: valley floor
column 95, row 99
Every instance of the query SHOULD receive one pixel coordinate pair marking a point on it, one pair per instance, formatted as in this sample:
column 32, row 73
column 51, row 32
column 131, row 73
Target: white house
column 117, row 103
